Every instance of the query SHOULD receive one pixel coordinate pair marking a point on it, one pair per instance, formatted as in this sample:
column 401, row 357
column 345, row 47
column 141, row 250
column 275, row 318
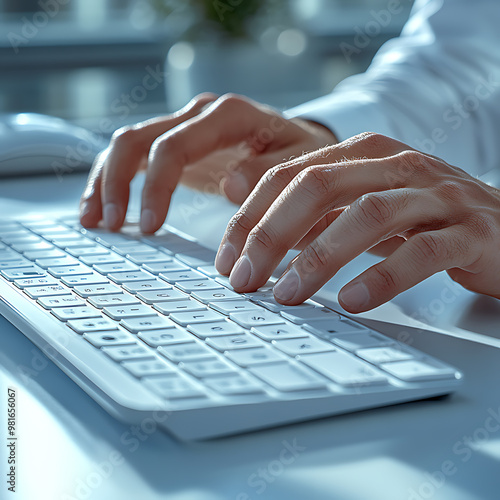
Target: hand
column 229, row 140
column 335, row 204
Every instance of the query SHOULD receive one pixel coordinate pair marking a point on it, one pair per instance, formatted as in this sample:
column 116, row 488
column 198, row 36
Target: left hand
column 345, row 199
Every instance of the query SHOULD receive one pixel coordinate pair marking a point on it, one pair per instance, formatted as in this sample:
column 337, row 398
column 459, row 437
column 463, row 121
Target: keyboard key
column 136, row 325
column 86, row 279
column 92, row 325
column 23, row 272
column 164, row 295
column 88, row 251
column 65, row 260
column 109, row 258
column 222, row 294
column 165, row 267
column 23, row 283
column 208, row 368
column 282, row 331
column 194, row 286
column 67, row 244
column 233, row 385
column 128, row 352
column 135, row 248
column 155, row 338
column 44, row 291
column 419, row 369
column 272, row 305
column 196, row 259
column 344, row 369
column 192, row 318
column 146, row 367
column 288, row 377
column 53, row 253
column 176, row 306
column 78, row 269
column 209, row 271
column 149, row 258
column 177, row 276
column 128, row 276
column 185, row 352
column 332, row 326
column 30, row 247
column 68, row 313
column 227, row 307
column 173, row 387
column 257, row 356
column 89, row 290
column 52, row 301
column 229, row 342
column 144, row 286
column 215, row 329
column 354, row 341
column 250, row 319
column 305, row 315
column 134, row 311
column 108, row 338
column 119, row 299
column 293, row 347
column 115, row 267
column 18, row 262
column 379, row 355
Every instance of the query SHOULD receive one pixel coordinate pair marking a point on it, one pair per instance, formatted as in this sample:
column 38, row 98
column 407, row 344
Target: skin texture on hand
column 369, row 192
column 230, row 140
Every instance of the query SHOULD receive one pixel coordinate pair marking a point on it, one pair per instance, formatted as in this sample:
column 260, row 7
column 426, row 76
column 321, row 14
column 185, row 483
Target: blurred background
column 105, row 63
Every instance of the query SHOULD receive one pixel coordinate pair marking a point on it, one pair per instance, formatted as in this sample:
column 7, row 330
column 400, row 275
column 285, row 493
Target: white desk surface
column 69, row 448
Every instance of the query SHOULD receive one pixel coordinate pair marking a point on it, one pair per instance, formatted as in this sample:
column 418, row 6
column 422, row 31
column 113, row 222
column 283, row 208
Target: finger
column 373, row 218
column 227, row 122
column 418, row 258
column 90, row 201
column 277, row 178
column 128, row 149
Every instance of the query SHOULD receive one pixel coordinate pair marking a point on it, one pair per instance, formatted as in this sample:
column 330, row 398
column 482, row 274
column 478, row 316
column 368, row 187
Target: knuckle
column 280, row 175
column 373, row 140
column 373, row 211
column 383, row 281
column 240, row 223
column 264, row 236
column 429, row 248
column 481, row 225
column 451, row 191
column 415, row 162
column 125, row 136
column 231, row 101
column 314, row 257
column 317, row 181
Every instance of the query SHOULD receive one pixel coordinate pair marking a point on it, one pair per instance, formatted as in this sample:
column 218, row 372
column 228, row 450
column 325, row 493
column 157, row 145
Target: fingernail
column 148, row 221
column 224, row 261
column 241, row 272
column 287, row 286
column 355, row 297
column 111, row 215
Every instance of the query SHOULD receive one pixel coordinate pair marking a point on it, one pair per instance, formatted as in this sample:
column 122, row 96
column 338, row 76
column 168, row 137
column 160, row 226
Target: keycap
column 215, row 329
column 229, row 342
column 43, row 291
column 149, row 258
column 162, row 295
column 281, row 331
column 78, row 269
column 102, row 339
column 177, row 276
column 148, row 285
column 332, row 326
column 288, row 377
column 257, row 356
column 185, row 352
column 17, row 262
column 65, row 260
column 227, row 307
column 344, row 369
column 306, row 315
column 121, row 299
column 135, row 325
column 354, row 341
column 310, row 344
column 89, row 290
column 92, row 325
column 233, row 385
column 271, row 304
column 250, row 319
column 67, row 244
column 23, row 272
column 191, row 318
column 109, row 258
column 53, row 253
column 176, row 306
column 173, row 387
column 379, row 355
column 127, row 352
column 68, row 313
column 115, row 267
column 209, row 271
column 135, row 247
column 194, row 286
column 133, row 311
column 88, row 251
column 221, row 294
column 164, row 267
column 23, row 283
column 208, row 368
column 51, row 301
column 128, row 276
column 418, row 369
column 145, row 367
column 197, row 259
column 155, row 338
column 29, row 247
column 86, row 279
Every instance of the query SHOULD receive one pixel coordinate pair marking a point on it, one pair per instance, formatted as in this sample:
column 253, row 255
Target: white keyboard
column 148, row 328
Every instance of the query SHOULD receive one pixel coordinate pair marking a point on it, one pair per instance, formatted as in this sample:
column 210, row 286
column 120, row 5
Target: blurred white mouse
column 31, row 143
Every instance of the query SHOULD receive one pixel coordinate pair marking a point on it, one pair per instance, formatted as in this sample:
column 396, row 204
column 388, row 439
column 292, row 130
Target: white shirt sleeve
column 436, row 87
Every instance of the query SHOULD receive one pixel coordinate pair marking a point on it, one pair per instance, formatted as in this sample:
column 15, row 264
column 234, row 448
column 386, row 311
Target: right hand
column 230, row 139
